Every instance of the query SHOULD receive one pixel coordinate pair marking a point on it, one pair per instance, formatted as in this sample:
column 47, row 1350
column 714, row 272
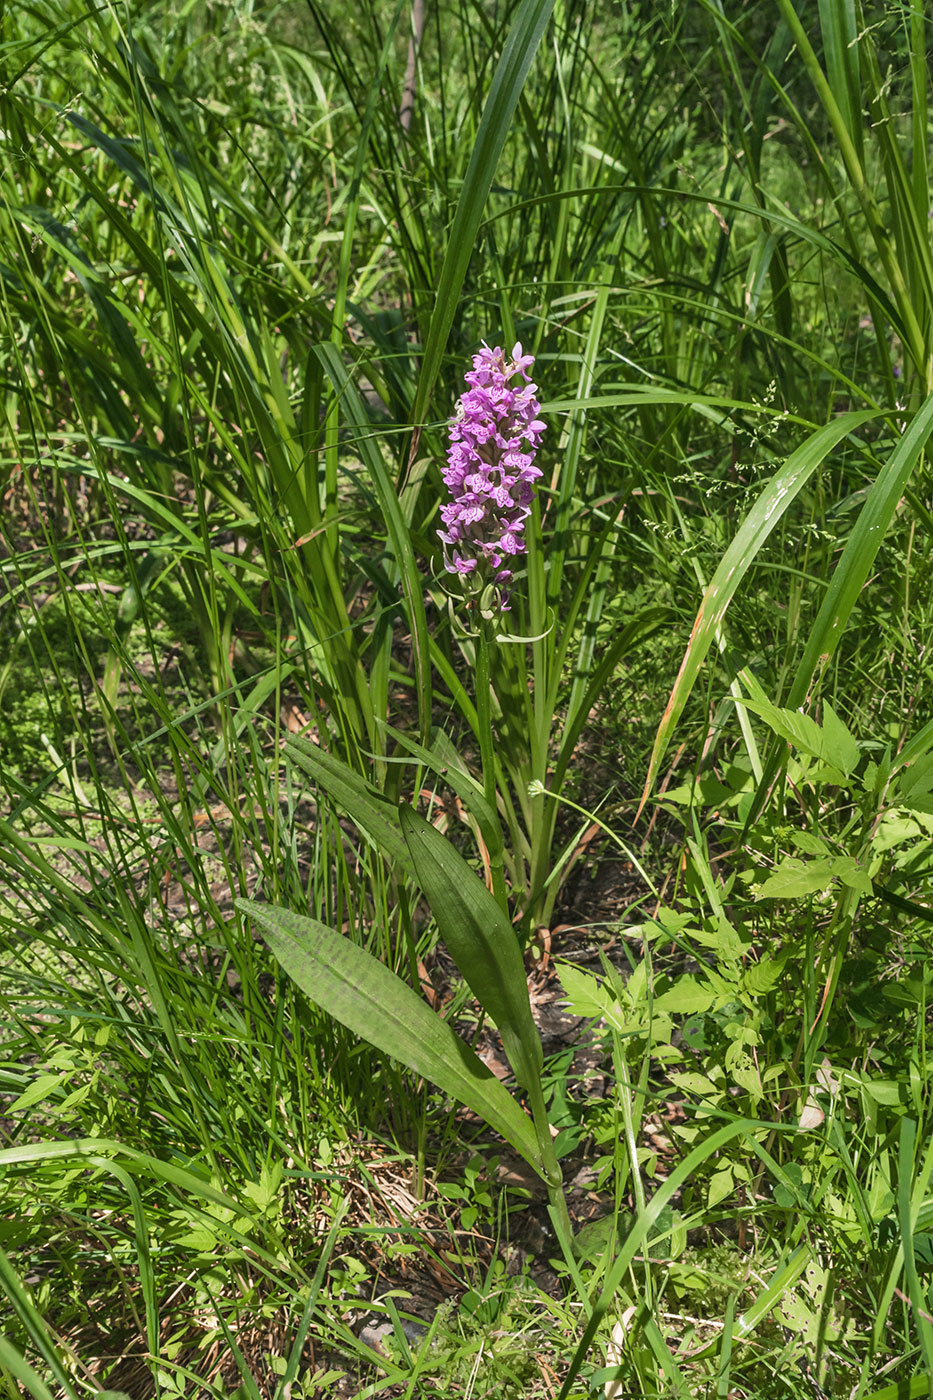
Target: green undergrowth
column 239, row 287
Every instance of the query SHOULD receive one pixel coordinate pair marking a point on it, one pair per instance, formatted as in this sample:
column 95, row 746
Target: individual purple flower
column 490, row 470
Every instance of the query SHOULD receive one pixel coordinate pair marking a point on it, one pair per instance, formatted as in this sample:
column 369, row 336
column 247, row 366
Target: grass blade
column 735, row 564
column 398, row 533
column 34, row 1325
column 504, row 92
column 852, row 570
column 861, row 550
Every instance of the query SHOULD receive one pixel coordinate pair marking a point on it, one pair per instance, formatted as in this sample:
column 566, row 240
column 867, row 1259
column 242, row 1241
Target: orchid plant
column 491, row 471
column 491, row 521
column 490, row 475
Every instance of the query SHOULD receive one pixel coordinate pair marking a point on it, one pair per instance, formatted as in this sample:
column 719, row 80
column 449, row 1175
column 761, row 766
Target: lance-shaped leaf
column 442, row 758
column 363, row 995
column 374, row 814
column 480, row 940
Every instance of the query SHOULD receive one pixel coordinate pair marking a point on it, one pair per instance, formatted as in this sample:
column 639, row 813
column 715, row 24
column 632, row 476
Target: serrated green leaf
column 585, row 995
column 723, row 939
column 798, row 729
column 200, row 1238
column 363, row 995
column 763, row 975
column 480, row 939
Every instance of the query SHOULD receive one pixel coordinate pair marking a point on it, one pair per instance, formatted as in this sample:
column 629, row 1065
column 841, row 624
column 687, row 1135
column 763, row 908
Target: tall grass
column 238, row 294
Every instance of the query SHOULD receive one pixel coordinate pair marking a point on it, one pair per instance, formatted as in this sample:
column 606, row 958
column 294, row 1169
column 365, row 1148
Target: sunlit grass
column 237, row 298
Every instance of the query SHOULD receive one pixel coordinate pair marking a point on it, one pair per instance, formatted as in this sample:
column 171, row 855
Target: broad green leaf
column 687, row 997
column 798, row 729
column 374, row 814
column 40, row 1088
column 722, row 938
column 830, row 742
column 898, row 828
column 509, row 79
column 809, row 843
column 363, row 995
column 839, row 746
column 721, row 1185
column 917, row 781
column 853, row 875
column 883, row 1091
column 692, row 1082
column 761, row 520
column 793, row 879
column 481, row 941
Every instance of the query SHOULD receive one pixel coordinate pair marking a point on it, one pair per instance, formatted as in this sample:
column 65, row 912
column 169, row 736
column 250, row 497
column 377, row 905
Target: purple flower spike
column 490, row 470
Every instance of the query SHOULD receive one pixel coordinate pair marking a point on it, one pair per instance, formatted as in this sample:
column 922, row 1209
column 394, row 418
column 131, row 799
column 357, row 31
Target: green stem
column 560, row 1215
column 488, row 757
column 828, row 968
